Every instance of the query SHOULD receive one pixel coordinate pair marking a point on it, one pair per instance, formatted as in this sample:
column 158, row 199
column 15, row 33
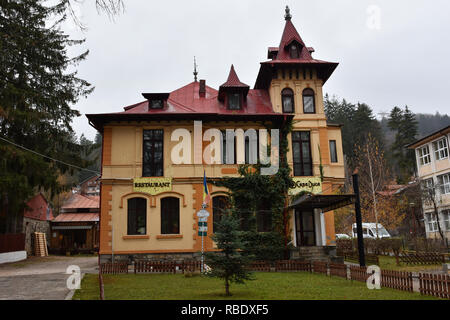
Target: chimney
column 202, row 89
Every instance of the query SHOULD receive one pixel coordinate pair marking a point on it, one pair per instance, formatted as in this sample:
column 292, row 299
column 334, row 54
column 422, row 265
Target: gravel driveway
column 41, row 278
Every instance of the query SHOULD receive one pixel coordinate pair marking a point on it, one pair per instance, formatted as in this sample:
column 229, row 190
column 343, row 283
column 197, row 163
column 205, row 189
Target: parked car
column 342, row 236
column 370, row 231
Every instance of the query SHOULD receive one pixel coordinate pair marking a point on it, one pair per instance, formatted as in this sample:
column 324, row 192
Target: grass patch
column 266, row 286
column 389, row 263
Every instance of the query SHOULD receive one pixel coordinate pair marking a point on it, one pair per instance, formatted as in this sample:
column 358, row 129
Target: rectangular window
column 264, row 216
column 137, row 216
column 153, row 162
column 446, row 219
column 170, row 215
column 440, row 149
column 156, row 104
column 234, row 101
column 444, row 183
column 431, row 222
column 333, row 151
column 301, row 149
column 424, row 155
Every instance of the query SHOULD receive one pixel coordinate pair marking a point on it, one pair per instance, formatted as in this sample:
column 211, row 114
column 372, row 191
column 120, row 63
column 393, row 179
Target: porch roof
column 326, row 202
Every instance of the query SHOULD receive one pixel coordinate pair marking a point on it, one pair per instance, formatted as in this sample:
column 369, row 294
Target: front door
column 304, row 226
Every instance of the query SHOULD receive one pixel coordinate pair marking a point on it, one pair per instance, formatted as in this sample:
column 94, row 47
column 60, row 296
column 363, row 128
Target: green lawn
column 389, row 263
column 267, row 286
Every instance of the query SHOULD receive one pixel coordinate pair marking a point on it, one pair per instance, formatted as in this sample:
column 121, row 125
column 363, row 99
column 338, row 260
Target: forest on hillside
column 376, row 150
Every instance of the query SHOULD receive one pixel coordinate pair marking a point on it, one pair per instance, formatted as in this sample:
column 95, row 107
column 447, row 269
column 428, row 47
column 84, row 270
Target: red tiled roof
column 38, row 207
column 186, row 100
column 76, row 217
column 78, row 201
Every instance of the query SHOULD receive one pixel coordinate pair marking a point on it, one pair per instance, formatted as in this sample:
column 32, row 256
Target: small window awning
column 322, row 201
column 71, row 227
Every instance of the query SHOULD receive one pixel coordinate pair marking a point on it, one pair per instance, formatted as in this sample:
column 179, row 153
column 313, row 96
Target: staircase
column 313, row 253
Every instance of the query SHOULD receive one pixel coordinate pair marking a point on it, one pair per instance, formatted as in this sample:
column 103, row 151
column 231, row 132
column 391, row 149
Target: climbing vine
column 253, row 194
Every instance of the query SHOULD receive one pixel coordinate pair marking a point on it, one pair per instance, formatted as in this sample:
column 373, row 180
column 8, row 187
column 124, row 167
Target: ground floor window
column 137, row 216
column 431, row 222
column 446, row 219
column 220, row 206
column 264, row 217
column 170, row 215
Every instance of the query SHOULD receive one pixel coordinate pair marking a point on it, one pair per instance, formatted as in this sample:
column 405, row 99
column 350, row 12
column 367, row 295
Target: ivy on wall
column 254, row 196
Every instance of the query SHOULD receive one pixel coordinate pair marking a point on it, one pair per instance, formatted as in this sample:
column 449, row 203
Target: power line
column 47, row 157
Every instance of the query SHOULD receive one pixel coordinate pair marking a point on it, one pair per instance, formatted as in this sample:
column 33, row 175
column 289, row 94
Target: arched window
column 220, row 206
column 309, row 105
column 137, row 216
column 170, row 215
column 287, row 96
column 293, row 50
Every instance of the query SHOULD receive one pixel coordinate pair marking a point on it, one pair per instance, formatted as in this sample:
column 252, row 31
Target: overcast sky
column 402, row 58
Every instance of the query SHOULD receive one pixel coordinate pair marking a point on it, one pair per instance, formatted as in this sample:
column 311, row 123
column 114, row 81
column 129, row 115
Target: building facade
column 151, row 191
column 433, row 169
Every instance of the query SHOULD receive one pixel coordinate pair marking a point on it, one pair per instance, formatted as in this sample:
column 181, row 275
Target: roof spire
column 288, row 15
column 195, row 70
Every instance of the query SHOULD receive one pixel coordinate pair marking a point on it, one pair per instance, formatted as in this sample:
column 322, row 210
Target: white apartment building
column 433, row 168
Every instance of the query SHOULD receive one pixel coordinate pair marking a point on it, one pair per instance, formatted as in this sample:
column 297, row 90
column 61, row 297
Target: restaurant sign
column 313, row 185
column 152, row 186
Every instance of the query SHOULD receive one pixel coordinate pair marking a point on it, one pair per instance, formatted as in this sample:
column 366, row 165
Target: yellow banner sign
column 313, row 185
column 152, row 186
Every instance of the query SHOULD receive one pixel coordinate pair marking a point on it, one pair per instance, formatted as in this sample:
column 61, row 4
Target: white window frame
column 444, row 183
column 446, row 219
column 440, row 148
column 431, row 222
column 424, row 155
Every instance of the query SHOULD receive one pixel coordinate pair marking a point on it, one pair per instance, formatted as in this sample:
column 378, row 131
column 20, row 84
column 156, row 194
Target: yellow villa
column 150, row 198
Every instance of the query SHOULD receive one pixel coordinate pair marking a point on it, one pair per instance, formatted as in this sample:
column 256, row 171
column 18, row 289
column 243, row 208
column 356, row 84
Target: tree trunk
column 227, row 287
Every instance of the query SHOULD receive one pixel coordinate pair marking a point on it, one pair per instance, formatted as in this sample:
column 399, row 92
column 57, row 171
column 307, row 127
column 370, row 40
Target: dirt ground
column 41, row 278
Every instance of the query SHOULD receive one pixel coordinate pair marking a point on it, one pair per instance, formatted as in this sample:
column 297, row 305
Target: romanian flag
column 206, row 196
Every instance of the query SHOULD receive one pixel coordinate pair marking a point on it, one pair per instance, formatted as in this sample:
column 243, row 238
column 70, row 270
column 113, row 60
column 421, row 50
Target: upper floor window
column 444, row 183
column 152, row 163
column 234, row 101
column 156, row 104
column 301, row 149
column 170, row 215
column 333, row 151
column 440, row 149
column 424, row 155
column 427, row 184
column 287, row 97
column 137, row 216
column 308, row 101
column 294, row 52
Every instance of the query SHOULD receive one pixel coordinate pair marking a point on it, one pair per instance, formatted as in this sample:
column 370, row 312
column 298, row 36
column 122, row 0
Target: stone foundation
column 178, row 257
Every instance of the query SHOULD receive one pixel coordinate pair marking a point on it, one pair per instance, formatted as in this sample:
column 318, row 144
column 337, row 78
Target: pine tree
column 229, row 263
column 405, row 126
column 38, row 88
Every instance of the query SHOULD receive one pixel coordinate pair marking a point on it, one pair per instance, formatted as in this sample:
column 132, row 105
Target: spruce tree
column 229, row 263
column 38, row 90
column 405, row 126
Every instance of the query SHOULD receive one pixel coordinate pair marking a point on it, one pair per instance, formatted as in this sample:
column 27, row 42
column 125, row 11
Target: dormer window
column 234, row 101
column 156, row 100
column 156, row 104
column 294, row 52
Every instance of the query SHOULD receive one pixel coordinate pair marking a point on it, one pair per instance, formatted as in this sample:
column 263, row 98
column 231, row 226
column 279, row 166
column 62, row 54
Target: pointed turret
column 233, row 85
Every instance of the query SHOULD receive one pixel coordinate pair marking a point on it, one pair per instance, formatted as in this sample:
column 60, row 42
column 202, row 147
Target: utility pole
column 373, row 191
column 359, row 229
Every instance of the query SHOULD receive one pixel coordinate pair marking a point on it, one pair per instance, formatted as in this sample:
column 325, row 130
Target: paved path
column 41, row 278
